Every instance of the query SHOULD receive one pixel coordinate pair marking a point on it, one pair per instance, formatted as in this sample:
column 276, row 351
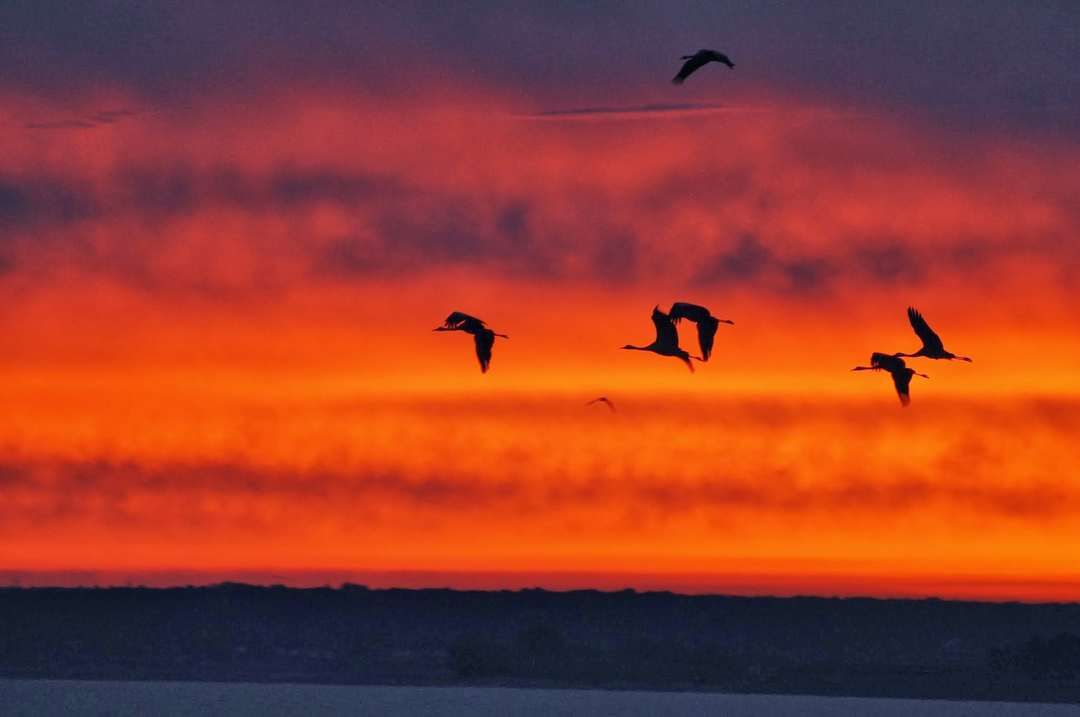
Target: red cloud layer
column 160, row 268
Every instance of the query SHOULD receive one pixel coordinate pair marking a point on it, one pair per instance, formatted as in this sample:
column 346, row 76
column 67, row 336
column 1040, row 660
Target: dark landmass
column 353, row 635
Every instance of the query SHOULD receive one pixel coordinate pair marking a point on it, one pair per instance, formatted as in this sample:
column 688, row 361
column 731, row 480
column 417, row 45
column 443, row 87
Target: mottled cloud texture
column 227, row 230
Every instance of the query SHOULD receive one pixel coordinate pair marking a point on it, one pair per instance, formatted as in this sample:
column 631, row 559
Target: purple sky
column 986, row 62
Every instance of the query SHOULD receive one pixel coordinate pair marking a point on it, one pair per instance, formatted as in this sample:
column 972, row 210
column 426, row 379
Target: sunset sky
column 227, row 232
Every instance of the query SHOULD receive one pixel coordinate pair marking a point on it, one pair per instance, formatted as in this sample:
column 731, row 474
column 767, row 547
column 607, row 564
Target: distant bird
column 706, row 323
column 697, row 60
column 604, row 400
column 667, row 340
column 901, row 374
column 931, row 342
column 483, row 337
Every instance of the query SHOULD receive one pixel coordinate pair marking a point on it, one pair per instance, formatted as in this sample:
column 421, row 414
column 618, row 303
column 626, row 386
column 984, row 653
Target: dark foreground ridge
column 353, row 635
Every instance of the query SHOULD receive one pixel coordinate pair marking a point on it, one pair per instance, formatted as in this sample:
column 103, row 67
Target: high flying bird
column 932, row 347
column 706, row 323
column 697, row 60
column 483, row 337
column 901, row 374
column 604, row 400
column 667, row 340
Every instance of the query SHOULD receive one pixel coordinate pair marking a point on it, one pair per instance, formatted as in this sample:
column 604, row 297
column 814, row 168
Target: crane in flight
column 483, row 337
column 706, row 323
column 932, row 347
column 604, row 400
column 901, row 374
column 667, row 340
column 697, row 60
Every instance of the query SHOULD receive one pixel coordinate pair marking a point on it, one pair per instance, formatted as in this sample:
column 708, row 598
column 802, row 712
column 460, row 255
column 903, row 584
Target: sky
column 227, row 232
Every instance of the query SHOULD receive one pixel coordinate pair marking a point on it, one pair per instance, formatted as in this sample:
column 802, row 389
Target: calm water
column 63, row 697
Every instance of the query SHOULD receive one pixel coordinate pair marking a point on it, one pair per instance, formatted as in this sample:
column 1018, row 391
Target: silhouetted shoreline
column 536, row 638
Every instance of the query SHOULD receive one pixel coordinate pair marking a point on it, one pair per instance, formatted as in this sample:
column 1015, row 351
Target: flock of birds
column 666, row 342
column 932, row 348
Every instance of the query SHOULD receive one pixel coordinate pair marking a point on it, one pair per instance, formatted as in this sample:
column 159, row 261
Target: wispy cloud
column 90, row 121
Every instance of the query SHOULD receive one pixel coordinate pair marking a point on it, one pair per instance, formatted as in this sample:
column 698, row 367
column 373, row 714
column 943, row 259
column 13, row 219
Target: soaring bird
column 706, row 323
column 483, row 337
column 667, row 340
column 901, row 374
column 931, row 342
column 699, row 59
column 604, row 400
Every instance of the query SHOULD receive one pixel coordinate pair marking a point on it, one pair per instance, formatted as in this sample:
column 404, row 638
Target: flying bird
column 706, row 323
column 697, row 60
column 932, row 347
column 667, row 340
column 483, row 337
column 901, row 374
column 604, row 400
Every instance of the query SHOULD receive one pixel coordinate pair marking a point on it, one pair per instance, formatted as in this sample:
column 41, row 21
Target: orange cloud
column 220, row 352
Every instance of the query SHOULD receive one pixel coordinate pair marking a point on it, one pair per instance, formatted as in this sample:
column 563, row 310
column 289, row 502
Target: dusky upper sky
column 982, row 63
column 226, row 231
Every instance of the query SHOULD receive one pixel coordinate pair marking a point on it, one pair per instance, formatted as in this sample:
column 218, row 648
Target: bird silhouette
column 697, row 60
column 483, row 337
column 706, row 323
column 932, row 347
column 667, row 340
column 604, row 400
column 901, row 374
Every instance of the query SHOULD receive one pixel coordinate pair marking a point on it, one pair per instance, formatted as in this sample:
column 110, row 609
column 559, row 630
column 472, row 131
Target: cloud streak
column 779, row 207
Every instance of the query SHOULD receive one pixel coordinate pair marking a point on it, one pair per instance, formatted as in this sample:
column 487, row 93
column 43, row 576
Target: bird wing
column 720, row 57
column 706, row 333
column 902, row 381
column 484, row 340
column 887, row 362
column 666, row 333
column 459, row 319
column 684, row 310
column 688, row 68
column 604, row 400
column 922, row 329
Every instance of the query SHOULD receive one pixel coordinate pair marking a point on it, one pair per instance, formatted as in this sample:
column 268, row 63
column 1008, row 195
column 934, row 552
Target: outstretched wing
column 604, row 400
column 706, row 333
column 689, row 67
column 459, row 320
column 902, row 381
column 721, row 58
column 666, row 334
column 484, row 340
column 887, row 362
column 922, row 329
column 683, row 310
